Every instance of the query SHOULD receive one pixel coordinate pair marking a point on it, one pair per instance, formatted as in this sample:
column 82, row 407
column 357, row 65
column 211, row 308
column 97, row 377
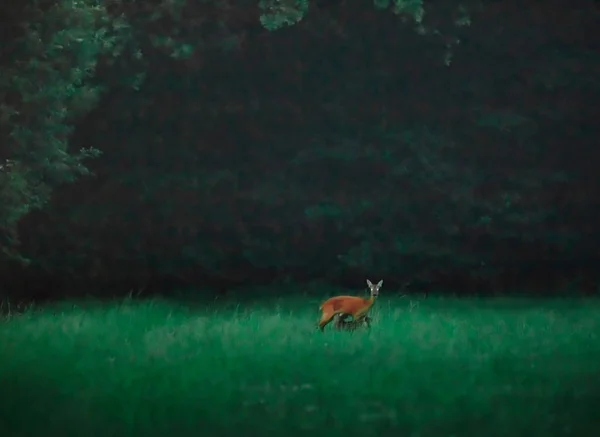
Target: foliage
column 276, row 14
column 49, row 68
column 332, row 148
column 46, row 87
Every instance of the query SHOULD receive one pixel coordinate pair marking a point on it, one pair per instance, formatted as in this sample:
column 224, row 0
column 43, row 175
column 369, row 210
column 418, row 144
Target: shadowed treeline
column 461, row 150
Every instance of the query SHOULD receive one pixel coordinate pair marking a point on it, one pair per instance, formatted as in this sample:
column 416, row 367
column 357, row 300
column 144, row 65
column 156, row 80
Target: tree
column 47, row 68
column 48, row 78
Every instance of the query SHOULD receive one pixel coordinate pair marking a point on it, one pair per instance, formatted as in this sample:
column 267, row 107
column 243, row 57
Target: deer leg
column 367, row 321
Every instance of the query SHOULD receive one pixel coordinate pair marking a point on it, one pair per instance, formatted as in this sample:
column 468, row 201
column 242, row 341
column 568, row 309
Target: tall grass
column 441, row 367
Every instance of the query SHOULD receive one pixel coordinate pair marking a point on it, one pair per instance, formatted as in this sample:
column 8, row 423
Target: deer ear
column 369, row 283
column 380, row 283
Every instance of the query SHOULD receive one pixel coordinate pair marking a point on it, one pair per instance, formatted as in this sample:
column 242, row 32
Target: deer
column 343, row 306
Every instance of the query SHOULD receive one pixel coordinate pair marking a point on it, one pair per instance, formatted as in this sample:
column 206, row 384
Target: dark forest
column 184, row 178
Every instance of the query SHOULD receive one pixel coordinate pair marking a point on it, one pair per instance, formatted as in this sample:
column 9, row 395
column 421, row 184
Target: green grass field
column 437, row 367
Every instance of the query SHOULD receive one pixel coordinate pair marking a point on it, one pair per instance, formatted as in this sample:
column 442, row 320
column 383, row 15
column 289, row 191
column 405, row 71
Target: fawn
column 343, row 306
column 341, row 324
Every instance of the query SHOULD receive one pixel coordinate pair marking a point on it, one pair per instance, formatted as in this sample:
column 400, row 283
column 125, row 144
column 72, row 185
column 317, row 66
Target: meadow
column 429, row 367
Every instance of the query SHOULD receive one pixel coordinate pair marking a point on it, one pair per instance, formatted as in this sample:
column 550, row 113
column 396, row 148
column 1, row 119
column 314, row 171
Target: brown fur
column 354, row 306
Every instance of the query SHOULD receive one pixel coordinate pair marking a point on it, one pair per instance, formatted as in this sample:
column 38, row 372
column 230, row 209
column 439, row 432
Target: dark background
column 457, row 154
